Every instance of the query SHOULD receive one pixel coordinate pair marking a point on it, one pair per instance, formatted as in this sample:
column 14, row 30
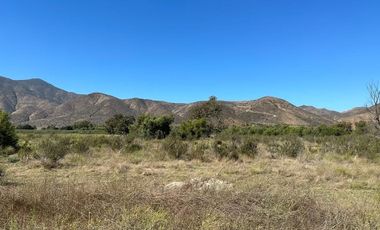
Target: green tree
column 153, row 127
column 119, row 124
column 193, row 129
column 8, row 135
column 211, row 111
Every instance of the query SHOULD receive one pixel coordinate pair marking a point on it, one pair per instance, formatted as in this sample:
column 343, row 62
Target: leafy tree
column 193, row 129
column 8, row 135
column 119, row 124
column 211, row 111
column 153, row 127
column 83, row 125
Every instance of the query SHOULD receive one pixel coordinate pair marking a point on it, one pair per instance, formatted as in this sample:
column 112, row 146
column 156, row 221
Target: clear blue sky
column 320, row 52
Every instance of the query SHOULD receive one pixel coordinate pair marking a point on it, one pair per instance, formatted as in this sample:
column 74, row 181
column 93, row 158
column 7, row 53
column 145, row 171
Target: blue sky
column 320, row 53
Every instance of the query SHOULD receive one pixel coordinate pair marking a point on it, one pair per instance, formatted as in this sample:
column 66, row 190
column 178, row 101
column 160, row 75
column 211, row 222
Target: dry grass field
column 114, row 187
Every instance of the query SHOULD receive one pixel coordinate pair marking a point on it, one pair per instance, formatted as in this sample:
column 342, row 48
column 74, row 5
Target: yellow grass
column 113, row 190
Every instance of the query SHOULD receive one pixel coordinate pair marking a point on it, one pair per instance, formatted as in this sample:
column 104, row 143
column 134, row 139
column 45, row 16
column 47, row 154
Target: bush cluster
column 360, row 145
column 148, row 126
column 119, row 124
column 289, row 146
column 52, row 149
column 234, row 147
column 193, row 129
column 339, row 129
column 26, row 127
column 83, row 125
column 175, row 147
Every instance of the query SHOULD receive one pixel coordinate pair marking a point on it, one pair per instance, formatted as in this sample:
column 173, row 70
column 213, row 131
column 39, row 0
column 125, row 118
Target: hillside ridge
column 37, row 102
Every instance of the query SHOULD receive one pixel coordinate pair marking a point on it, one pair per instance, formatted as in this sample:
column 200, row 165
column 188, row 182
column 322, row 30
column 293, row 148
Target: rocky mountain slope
column 39, row 103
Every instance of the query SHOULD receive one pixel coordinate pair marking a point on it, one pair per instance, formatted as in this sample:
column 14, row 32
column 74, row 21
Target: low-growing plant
column 199, row 152
column 175, row 147
column 25, row 151
column 13, row 159
column 81, row 146
column 6, row 151
column 224, row 149
column 53, row 149
column 249, row 147
column 132, row 147
column 361, row 128
column 116, row 143
column 291, row 147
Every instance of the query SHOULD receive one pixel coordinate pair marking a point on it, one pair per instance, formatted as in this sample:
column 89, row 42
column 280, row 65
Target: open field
column 111, row 185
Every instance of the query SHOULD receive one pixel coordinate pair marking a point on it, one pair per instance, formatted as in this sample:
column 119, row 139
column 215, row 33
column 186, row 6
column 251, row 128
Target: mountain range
column 39, row 103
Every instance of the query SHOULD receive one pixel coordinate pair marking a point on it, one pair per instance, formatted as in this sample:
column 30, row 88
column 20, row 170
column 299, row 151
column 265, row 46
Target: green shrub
column 249, row 147
column 153, row 127
column 26, row 151
column 81, row 145
column 175, row 147
column 223, row 149
column 53, row 149
column 199, row 152
column 366, row 146
column 116, row 143
column 132, row 147
column 119, row 124
column 8, row 135
column 26, row 127
column 193, row 129
column 361, row 128
column 291, row 147
column 83, row 125
column 339, row 129
column 7, row 151
column 13, row 159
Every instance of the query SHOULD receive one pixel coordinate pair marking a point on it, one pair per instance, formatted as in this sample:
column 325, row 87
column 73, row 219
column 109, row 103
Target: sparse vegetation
column 52, row 149
column 282, row 176
column 175, row 147
column 290, row 147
